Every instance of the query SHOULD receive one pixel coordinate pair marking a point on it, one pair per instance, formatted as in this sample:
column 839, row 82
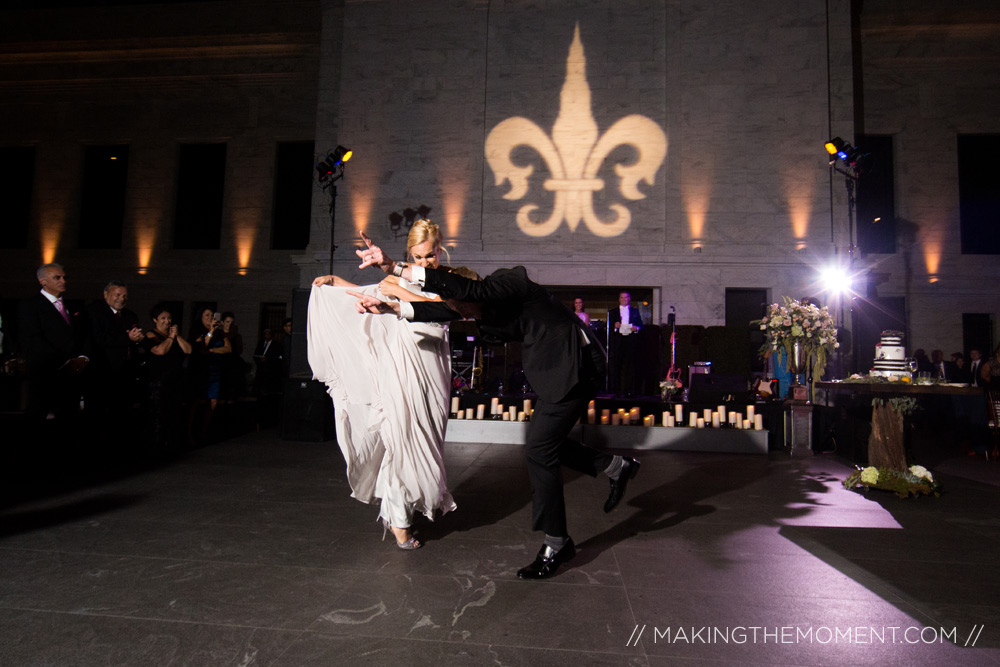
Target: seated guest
column 940, row 370
column 989, row 376
column 924, row 364
column 958, row 371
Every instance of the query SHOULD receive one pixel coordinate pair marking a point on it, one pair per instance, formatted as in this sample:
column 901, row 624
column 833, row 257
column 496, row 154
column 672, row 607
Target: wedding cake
column 890, row 356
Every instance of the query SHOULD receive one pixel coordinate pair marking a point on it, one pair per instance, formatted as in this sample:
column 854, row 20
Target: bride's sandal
column 408, row 545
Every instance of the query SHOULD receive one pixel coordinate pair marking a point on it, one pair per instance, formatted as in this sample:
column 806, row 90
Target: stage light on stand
column 327, row 167
column 329, row 171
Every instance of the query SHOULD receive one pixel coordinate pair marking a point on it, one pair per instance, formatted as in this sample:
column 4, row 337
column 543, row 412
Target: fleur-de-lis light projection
column 574, row 155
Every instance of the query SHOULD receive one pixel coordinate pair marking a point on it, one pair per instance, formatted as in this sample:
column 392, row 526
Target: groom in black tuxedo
column 564, row 364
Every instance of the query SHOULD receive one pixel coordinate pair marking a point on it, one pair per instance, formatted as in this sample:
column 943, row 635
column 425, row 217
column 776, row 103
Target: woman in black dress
column 165, row 350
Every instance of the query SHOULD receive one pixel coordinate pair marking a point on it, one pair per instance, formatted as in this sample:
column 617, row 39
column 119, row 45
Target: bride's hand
column 373, row 256
column 323, row 280
column 370, row 304
column 391, row 287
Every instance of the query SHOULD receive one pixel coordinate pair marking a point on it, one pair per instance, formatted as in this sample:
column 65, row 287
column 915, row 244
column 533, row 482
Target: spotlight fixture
column 856, row 160
column 334, row 159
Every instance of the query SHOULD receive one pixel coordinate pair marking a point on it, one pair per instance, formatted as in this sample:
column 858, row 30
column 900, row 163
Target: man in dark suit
column 267, row 357
column 625, row 322
column 53, row 340
column 114, row 339
column 976, row 367
column 564, row 364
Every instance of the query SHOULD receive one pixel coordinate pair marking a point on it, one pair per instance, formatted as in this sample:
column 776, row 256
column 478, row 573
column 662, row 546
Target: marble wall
column 738, row 94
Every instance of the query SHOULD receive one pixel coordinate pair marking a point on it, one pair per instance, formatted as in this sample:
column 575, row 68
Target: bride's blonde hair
column 424, row 230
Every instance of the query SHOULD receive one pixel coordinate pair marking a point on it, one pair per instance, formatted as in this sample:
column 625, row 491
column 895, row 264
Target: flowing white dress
column 389, row 379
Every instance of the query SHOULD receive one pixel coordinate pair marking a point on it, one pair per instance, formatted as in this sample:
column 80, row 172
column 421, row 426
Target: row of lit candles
column 708, row 418
column 497, row 411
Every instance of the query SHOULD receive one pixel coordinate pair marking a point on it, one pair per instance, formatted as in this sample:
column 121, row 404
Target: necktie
column 62, row 310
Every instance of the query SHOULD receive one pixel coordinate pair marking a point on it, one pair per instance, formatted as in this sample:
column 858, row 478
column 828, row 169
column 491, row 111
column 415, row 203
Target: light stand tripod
column 331, row 170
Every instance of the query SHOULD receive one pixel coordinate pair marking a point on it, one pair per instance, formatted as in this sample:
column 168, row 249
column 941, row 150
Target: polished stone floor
column 251, row 552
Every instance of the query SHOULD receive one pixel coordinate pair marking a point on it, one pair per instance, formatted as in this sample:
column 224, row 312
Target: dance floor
column 251, row 552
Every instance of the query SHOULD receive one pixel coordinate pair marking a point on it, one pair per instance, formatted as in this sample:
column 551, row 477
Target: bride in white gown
column 389, row 379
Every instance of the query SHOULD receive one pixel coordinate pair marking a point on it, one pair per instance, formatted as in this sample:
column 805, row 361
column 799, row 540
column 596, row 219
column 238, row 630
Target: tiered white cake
column 890, row 356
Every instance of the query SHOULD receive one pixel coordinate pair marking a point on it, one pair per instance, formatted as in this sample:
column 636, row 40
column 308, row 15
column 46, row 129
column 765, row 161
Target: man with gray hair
column 114, row 339
column 53, row 338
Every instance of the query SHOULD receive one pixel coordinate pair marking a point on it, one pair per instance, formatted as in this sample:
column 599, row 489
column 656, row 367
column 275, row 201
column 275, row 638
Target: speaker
column 299, row 363
column 307, row 412
column 717, row 387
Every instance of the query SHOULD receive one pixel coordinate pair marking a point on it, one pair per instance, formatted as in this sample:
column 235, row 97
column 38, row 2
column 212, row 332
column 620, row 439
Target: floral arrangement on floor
column 915, row 481
column 794, row 321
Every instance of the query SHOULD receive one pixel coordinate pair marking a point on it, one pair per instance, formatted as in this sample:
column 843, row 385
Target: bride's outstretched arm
column 336, row 281
column 390, row 287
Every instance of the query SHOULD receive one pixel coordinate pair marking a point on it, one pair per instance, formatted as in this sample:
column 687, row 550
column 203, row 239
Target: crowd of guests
column 975, row 370
column 105, row 369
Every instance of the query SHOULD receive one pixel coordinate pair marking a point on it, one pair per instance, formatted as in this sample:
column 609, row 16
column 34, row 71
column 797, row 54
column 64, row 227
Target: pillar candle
column 722, row 412
column 590, row 406
column 716, row 420
column 527, row 404
column 468, row 413
column 666, row 419
column 634, row 414
column 733, row 416
column 750, row 412
column 506, row 416
column 616, row 419
column 647, row 420
column 605, row 419
column 679, row 413
column 758, row 422
column 522, row 416
column 692, row 419
column 701, row 422
column 494, row 404
column 707, row 415
column 480, row 411
column 591, row 415
column 454, row 405
column 747, row 424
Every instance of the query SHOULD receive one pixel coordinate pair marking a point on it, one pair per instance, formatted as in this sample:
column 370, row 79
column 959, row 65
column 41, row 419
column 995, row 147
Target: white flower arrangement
column 793, row 321
column 915, row 481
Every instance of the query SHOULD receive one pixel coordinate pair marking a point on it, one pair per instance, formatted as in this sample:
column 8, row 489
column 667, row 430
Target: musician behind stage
column 625, row 322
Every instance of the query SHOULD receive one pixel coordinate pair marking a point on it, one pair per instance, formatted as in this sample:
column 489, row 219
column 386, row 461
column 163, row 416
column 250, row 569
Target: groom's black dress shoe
column 546, row 562
column 629, row 469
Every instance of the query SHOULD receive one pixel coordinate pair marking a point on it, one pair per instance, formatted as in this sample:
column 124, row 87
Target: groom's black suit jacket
column 516, row 309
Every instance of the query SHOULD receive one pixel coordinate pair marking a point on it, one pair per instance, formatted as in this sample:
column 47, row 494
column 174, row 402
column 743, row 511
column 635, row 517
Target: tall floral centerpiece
column 802, row 332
